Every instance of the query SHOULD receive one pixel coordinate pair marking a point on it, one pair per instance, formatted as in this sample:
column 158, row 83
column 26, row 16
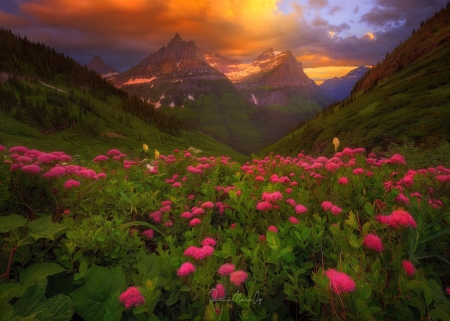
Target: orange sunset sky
column 329, row 37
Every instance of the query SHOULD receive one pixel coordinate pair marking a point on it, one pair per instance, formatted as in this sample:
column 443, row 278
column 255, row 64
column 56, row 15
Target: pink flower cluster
column 373, row 242
column 218, row 292
column 409, row 268
column 334, row 209
column 199, row 253
column 340, row 282
column 398, row 218
column 238, row 277
column 185, row 269
column 132, row 297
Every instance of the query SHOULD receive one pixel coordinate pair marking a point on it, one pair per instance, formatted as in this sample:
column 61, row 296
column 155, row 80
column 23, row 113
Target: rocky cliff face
column 98, row 65
column 280, row 80
column 340, row 87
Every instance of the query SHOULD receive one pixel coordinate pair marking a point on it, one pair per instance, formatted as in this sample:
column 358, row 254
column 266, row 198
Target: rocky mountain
column 277, row 78
column 98, row 65
column 174, row 74
column 179, row 80
column 340, row 87
column 221, row 63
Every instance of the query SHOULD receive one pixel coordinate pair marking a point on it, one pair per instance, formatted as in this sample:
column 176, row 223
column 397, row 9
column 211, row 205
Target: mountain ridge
column 340, row 87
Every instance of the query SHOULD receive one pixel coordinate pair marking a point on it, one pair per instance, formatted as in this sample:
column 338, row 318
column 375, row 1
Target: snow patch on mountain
column 139, row 81
column 254, row 100
column 190, row 97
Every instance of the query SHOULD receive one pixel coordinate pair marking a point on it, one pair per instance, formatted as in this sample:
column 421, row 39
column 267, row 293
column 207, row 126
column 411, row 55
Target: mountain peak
column 98, row 65
column 176, row 38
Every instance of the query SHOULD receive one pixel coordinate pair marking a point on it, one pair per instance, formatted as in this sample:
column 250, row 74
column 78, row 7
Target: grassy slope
column 78, row 140
column 413, row 103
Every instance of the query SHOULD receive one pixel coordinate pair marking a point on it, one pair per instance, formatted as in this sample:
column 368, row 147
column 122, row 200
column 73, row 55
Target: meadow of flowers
column 189, row 237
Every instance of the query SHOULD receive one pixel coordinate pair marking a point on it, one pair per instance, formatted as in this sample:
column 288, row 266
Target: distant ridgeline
column 30, row 74
column 402, row 101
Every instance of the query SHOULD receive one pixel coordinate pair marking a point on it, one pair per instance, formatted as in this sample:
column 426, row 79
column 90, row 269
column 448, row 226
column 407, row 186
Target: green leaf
column 365, row 292
column 100, row 294
column 39, row 270
column 305, row 233
column 31, row 300
column 44, row 228
column 334, row 229
column 352, row 221
column 273, row 240
column 439, row 314
column 11, row 222
column 353, row 241
column 285, row 251
column 369, row 209
column 366, row 228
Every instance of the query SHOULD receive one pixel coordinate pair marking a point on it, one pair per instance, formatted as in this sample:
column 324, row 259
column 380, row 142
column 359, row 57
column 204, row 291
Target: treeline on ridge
column 26, row 63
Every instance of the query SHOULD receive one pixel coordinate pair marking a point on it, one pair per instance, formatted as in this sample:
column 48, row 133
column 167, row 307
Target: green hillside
column 50, row 102
column 412, row 105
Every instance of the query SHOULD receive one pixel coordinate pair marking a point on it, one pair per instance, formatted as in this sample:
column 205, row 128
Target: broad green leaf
column 273, row 240
column 353, row 241
column 439, row 314
column 39, row 270
column 365, row 292
column 334, row 229
column 11, row 222
column 285, row 251
column 44, row 228
column 352, row 221
column 30, row 302
column 305, row 233
column 369, row 209
column 97, row 296
column 366, row 228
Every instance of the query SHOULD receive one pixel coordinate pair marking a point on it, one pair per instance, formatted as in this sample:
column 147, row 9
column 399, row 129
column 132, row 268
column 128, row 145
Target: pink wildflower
column 233, row 225
column 114, row 152
column 132, row 297
column 343, row 180
column 273, row 229
column 340, row 282
column 198, row 211
column 373, row 242
column 207, row 250
column 332, row 167
column 291, row 202
column 226, row 269
column 358, row 171
column 294, row 220
column 448, row 290
column 335, row 210
column 168, row 224
column 398, row 218
column 263, row 206
column 262, row 238
column 19, row 149
column 209, row 241
column 156, row 216
column 238, row 277
column 185, row 269
column 259, row 178
column 71, row 183
column 208, row 204
column 327, row 205
column 272, row 197
column 31, row 169
column 66, row 212
column 24, row 159
column 218, row 292
column 187, row 215
column 100, row 158
column 300, row 209
column 409, row 268
column 2, row 149
column 149, row 233
column 101, row 175
column 55, row 172
column 194, row 221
